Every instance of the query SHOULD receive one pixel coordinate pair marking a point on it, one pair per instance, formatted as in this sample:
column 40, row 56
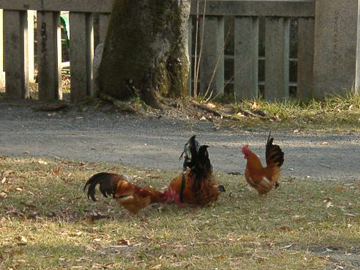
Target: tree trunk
column 146, row 50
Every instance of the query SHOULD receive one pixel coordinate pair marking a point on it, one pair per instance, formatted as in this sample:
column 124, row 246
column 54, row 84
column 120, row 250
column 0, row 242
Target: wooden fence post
column 16, row 56
column 212, row 59
column 277, row 48
column 246, row 57
column 81, row 55
column 49, row 55
column 305, row 71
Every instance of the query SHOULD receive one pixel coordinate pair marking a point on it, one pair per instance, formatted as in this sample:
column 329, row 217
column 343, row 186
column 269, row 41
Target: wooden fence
column 253, row 21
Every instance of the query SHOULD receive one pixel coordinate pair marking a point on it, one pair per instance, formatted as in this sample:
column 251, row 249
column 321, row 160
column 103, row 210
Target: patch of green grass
column 46, row 222
column 333, row 113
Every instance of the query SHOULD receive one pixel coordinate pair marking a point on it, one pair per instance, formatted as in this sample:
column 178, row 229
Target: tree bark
column 146, row 50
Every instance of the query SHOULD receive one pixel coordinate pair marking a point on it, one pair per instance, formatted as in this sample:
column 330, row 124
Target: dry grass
column 46, row 222
column 333, row 113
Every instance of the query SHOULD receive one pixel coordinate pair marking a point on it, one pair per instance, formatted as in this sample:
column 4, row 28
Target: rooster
column 260, row 178
column 195, row 185
column 131, row 197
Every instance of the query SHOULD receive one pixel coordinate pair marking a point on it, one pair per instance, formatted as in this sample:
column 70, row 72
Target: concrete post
column 335, row 46
column 2, row 73
column 246, row 57
column 212, row 58
column 81, row 55
column 277, row 48
column 16, row 56
column 49, row 55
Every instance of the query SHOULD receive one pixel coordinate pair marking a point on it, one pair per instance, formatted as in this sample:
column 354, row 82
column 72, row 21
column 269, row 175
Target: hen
column 131, row 197
column 260, row 178
column 196, row 184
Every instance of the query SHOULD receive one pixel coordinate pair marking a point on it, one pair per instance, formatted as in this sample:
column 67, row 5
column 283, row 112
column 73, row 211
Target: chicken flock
column 196, row 183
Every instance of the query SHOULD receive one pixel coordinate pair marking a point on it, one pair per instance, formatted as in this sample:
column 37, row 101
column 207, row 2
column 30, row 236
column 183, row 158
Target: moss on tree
column 145, row 51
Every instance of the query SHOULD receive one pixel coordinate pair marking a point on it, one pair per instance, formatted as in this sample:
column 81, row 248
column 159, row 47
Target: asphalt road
column 157, row 143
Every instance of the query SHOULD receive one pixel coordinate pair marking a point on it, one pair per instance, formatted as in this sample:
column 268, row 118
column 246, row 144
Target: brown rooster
column 131, row 197
column 196, row 184
column 260, row 178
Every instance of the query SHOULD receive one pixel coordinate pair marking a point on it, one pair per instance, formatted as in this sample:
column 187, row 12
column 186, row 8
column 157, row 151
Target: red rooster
column 196, row 184
column 260, row 178
column 131, row 197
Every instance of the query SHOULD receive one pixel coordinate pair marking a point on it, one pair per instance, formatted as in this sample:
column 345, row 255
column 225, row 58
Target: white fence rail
column 247, row 34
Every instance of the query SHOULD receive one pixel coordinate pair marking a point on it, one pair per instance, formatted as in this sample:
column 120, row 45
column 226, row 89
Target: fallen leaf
column 96, row 241
column 22, row 240
column 277, row 118
column 329, row 204
column 342, row 188
column 124, row 241
column 203, row 118
column 55, row 171
column 42, row 162
column 156, row 266
column 287, row 246
column 3, row 195
column 254, row 105
column 7, row 173
column 299, row 217
column 324, row 143
column 285, row 228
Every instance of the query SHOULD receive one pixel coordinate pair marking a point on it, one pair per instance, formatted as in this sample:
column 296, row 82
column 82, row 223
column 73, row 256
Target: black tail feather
column 274, row 152
column 106, row 182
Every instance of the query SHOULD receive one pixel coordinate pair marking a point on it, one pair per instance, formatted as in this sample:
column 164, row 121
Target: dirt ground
column 156, row 142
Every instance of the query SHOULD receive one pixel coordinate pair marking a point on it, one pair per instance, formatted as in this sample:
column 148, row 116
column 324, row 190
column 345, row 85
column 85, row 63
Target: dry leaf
column 22, row 240
column 96, row 241
column 285, row 228
column 3, row 195
column 124, row 241
column 42, row 162
column 210, row 105
column 298, row 217
column 329, row 204
column 324, row 143
column 286, row 247
column 254, row 106
column 7, row 173
column 156, row 266
column 55, row 171
column 203, row 118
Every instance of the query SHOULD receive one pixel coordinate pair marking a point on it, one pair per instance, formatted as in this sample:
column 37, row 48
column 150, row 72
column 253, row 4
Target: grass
column 46, row 222
column 334, row 113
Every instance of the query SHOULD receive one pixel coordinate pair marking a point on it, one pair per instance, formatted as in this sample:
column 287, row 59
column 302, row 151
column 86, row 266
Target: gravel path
column 157, row 143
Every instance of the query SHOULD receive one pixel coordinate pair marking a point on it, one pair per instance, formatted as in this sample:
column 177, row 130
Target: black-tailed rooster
column 196, row 184
column 130, row 196
column 263, row 179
